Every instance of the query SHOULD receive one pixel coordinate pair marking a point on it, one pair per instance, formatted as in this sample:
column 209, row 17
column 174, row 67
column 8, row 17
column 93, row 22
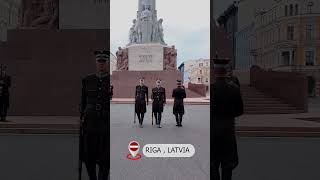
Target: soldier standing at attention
column 179, row 94
column 159, row 100
column 95, row 116
column 5, row 83
column 141, row 100
column 226, row 105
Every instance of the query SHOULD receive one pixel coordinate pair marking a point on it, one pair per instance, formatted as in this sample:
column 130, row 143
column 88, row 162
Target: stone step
column 261, row 102
column 38, row 131
column 259, row 105
column 260, row 111
column 48, row 126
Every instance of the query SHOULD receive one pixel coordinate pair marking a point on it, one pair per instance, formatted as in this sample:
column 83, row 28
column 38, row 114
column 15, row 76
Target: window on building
column 207, row 63
column 200, row 64
column 286, row 10
column 309, row 7
column 207, row 80
column 290, row 32
column 199, row 80
column 291, row 9
column 296, row 9
column 309, row 32
column 200, row 71
column 309, row 58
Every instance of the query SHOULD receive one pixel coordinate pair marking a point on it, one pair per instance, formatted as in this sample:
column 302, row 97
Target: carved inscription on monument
column 146, row 57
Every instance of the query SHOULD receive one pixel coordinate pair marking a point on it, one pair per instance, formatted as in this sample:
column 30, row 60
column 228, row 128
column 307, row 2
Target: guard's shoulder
column 233, row 85
column 89, row 76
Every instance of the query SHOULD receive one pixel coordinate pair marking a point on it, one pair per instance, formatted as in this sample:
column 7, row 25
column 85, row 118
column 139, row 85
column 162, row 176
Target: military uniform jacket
column 141, row 98
column 159, row 99
column 178, row 94
column 5, row 83
column 226, row 105
column 235, row 80
column 95, row 103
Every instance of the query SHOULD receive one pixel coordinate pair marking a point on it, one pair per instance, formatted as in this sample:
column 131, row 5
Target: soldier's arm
column 147, row 95
column 9, row 81
column 83, row 98
column 184, row 93
column 152, row 94
column 136, row 92
column 239, row 104
column 165, row 98
column 111, row 92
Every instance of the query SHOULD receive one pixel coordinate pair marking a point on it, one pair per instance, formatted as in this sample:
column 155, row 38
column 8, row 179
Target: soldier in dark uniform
column 159, row 100
column 226, row 105
column 179, row 94
column 5, row 83
column 95, row 116
column 141, row 100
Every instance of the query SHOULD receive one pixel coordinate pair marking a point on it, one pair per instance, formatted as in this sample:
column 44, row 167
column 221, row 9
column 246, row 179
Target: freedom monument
column 146, row 55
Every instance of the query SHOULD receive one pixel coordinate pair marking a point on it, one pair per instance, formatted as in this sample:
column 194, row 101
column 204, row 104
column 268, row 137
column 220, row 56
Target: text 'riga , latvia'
column 168, row 150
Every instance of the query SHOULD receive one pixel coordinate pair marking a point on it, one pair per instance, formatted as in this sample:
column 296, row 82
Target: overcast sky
column 186, row 25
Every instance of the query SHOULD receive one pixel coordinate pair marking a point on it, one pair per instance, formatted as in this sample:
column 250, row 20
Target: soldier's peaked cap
column 179, row 82
column 102, row 55
column 220, row 66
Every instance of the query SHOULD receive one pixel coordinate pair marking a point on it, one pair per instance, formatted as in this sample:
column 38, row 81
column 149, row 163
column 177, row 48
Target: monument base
column 124, row 82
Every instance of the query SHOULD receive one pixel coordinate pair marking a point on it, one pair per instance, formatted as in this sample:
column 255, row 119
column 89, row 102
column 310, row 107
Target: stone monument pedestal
column 124, row 82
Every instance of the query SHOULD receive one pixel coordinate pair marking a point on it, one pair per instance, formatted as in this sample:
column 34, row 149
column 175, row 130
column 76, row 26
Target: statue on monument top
column 146, row 29
column 39, row 14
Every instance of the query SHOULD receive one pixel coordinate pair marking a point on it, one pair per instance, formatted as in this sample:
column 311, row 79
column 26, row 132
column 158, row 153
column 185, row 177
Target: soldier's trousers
column 3, row 111
column 140, row 117
column 157, row 116
column 226, row 173
column 103, row 171
column 179, row 118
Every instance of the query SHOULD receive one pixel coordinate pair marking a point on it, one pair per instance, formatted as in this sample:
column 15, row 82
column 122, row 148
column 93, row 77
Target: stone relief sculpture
column 170, row 58
column 39, row 14
column 122, row 59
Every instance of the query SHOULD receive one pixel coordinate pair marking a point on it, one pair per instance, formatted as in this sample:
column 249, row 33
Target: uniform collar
column 101, row 74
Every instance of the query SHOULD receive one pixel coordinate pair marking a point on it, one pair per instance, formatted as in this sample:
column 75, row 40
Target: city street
column 195, row 131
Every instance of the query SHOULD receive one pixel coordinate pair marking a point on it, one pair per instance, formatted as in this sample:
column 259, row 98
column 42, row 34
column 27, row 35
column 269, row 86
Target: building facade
column 229, row 21
column 196, row 72
column 244, row 43
column 245, row 31
column 287, row 38
column 9, row 14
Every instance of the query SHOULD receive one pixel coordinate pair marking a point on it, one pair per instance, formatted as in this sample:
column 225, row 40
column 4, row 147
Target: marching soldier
column 159, row 100
column 5, row 83
column 179, row 94
column 95, row 106
column 141, row 100
column 227, row 104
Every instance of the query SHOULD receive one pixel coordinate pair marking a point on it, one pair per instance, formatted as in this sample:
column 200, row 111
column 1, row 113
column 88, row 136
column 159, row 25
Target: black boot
column 159, row 120
column 141, row 116
column 177, row 120
column 226, row 174
column 180, row 120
